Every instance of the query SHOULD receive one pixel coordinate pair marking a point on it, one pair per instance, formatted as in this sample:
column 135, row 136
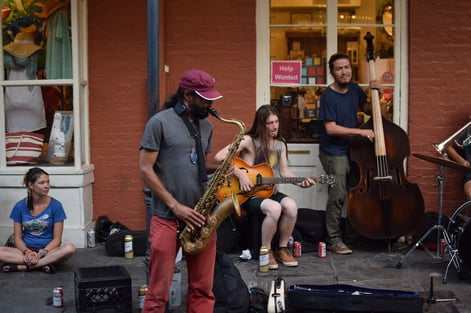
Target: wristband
column 42, row 253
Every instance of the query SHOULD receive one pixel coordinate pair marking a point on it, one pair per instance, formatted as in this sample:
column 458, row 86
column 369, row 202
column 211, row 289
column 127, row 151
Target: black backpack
column 102, row 228
column 231, row 292
column 259, row 300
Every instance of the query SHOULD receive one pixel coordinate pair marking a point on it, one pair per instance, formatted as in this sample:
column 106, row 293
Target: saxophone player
column 460, row 152
column 172, row 165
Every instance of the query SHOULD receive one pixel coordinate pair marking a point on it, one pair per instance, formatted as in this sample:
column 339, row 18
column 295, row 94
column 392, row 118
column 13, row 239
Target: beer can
column 296, row 249
column 142, row 295
column 321, row 250
column 91, row 238
column 128, row 251
column 58, row 297
column 264, row 259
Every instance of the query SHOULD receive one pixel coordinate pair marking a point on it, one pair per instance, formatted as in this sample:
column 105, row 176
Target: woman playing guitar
column 263, row 144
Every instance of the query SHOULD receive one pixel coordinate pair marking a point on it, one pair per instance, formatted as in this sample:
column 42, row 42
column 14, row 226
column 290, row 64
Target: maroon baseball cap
column 200, row 82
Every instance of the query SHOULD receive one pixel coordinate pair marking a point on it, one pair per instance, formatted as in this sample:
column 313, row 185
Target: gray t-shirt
column 166, row 133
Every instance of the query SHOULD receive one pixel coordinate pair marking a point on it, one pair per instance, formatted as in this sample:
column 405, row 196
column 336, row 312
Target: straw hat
column 23, row 46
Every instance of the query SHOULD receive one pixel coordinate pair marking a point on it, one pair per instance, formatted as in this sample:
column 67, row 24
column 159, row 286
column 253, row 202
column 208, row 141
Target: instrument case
column 276, row 298
column 349, row 298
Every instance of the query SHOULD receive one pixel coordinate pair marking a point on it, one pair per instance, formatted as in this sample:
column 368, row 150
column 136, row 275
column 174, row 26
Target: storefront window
column 303, row 34
column 41, row 95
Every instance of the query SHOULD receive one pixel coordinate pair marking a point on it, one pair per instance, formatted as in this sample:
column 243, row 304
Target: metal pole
column 153, row 93
column 153, row 56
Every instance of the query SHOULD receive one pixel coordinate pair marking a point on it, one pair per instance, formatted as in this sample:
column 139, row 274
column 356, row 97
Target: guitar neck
column 281, row 180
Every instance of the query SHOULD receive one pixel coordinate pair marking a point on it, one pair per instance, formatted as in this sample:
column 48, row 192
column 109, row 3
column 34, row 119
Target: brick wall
column 220, row 39
column 118, row 107
column 440, row 68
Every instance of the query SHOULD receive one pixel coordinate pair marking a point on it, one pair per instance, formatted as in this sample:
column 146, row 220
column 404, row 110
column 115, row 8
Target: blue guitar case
column 349, row 298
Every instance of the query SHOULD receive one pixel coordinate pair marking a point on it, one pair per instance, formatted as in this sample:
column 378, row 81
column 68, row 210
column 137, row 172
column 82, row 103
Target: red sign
column 286, row 72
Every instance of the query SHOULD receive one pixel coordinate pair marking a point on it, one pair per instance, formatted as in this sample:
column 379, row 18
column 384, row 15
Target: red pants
column 163, row 250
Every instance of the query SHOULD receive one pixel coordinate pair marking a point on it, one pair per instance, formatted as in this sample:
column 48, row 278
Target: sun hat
column 23, row 46
column 200, row 82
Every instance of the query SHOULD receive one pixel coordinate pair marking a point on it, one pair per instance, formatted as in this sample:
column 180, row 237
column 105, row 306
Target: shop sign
column 286, row 72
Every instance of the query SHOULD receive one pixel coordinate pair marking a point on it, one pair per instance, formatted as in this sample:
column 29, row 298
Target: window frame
column 79, row 84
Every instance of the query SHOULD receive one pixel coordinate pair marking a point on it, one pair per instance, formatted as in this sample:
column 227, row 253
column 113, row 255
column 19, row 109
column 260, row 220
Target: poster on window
column 286, row 72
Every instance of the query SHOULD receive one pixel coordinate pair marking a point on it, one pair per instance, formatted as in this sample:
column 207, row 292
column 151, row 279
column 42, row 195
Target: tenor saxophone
column 194, row 241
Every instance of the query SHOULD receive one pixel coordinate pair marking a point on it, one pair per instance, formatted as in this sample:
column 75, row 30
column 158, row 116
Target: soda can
column 58, row 297
column 296, row 249
column 91, row 238
column 442, row 246
column 321, row 250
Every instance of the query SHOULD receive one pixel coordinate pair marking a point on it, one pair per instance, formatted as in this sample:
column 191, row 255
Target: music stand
column 441, row 233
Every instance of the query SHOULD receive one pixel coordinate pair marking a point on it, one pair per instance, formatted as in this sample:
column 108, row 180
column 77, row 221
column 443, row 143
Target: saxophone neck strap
column 183, row 113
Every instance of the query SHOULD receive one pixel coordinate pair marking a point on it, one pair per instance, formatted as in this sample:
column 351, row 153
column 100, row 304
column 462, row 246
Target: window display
column 301, row 31
column 36, row 46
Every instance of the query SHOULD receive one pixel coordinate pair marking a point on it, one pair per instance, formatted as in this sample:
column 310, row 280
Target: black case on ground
column 349, row 298
column 115, row 243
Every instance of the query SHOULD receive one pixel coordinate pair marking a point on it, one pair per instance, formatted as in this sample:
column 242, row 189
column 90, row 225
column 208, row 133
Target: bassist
column 263, row 144
column 339, row 106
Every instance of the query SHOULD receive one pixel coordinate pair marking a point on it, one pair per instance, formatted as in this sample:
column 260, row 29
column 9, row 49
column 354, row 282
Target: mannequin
column 24, row 106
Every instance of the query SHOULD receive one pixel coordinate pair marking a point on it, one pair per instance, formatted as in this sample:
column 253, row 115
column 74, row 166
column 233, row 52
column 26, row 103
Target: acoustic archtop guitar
column 264, row 181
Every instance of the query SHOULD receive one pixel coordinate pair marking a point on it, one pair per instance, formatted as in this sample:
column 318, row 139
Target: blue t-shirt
column 342, row 108
column 38, row 230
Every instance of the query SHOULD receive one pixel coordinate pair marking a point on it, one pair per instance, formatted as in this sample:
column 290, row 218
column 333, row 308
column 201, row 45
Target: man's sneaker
column 272, row 264
column 284, row 256
column 340, row 248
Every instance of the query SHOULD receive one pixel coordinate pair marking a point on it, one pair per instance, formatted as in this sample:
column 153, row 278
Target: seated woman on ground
column 38, row 222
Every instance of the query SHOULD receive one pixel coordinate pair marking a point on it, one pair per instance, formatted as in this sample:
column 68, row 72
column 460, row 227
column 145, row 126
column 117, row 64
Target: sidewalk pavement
column 375, row 267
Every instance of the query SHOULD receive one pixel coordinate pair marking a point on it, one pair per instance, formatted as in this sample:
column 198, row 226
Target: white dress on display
column 24, row 105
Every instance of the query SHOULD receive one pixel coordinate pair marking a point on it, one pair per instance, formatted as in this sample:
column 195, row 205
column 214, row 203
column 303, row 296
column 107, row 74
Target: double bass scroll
column 384, row 205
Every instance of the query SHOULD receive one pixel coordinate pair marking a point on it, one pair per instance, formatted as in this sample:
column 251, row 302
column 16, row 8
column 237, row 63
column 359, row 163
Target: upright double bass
column 384, row 205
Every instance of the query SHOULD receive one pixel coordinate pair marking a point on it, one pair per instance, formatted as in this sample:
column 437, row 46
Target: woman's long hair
column 259, row 129
column 30, row 177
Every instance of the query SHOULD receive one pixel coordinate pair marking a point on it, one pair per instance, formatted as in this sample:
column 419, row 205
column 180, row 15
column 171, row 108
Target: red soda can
column 58, row 297
column 297, row 249
column 321, row 250
column 442, row 246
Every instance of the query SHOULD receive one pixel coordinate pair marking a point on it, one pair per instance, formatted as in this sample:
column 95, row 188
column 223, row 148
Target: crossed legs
column 13, row 256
